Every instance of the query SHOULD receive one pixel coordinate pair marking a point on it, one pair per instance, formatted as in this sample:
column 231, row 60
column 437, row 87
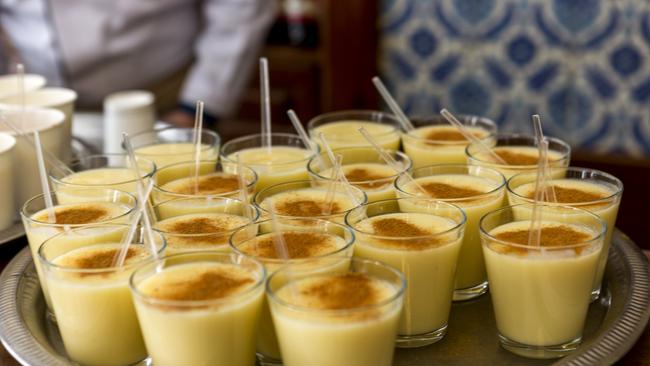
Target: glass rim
column 347, row 114
column 457, row 225
column 158, row 188
column 499, row 187
column 224, row 156
column 47, row 263
column 348, row 242
column 395, row 176
column 565, row 155
column 79, row 160
column 156, row 132
column 599, row 235
column 309, row 186
column 491, row 132
column 614, row 181
column 399, row 290
column 188, row 304
column 41, row 196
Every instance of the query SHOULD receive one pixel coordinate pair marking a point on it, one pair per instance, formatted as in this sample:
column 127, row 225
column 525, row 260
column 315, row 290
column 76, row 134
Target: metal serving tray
column 614, row 323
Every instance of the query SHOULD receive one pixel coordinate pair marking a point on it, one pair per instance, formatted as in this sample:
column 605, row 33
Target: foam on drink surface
column 308, row 203
column 209, row 184
column 100, row 176
column 216, row 227
column 518, row 155
column 299, row 244
column 349, row 130
column 452, row 186
column 271, row 155
column 98, row 257
column 82, row 213
column 421, row 228
column 365, row 175
column 570, row 190
column 447, row 135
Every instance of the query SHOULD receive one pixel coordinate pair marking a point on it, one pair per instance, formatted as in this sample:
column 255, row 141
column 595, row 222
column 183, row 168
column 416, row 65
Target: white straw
column 278, row 238
column 333, row 184
column 549, row 192
column 470, row 137
column 535, row 232
column 392, row 104
column 295, row 121
column 265, row 101
column 198, row 131
column 45, row 186
column 391, row 162
column 133, row 226
column 243, row 189
column 342, row 178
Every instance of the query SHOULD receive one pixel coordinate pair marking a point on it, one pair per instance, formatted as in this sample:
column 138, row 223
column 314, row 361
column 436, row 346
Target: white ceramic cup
column 7, row 204
column 9, row 84
column 130, row 111
column 56, row 98
column 49, row 124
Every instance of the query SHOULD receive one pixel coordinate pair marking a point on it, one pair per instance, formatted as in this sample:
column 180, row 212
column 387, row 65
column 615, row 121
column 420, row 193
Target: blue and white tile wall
column 584, row 65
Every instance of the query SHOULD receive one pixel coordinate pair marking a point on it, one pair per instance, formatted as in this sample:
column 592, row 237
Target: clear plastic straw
column 243, row 189
column 45, row 186
column 333, row 184
column 548, row 189
column 265, row 99
column 342, row 178
column 278, row 238
column 392, row 104
column 295, row 121
column 198, row 131
column 470, row 137
column 535, row 232
column 118, row 261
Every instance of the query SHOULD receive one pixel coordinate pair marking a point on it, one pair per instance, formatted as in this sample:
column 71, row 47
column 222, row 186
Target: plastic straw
column 265, row 98
column 243, row 189
column 331, row 189
column 470, row 137
column 133, row 227
column 278, row 238
column 198, row 131
column 392, row 104
column 45, row 186
column 295, row 121
column 535, row 232
column 342, row 178
column 548, row 190
column 390, row 161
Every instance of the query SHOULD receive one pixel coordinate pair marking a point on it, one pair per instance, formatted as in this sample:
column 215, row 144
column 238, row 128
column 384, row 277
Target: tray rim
column 608, row 347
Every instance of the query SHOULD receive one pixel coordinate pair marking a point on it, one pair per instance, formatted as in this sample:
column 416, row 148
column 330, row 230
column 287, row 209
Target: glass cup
column 477, row 191
column 91, row 298
column 95, row 206
column 540, row 293
column 216, row 179
column 310, row 240
column 113, row 171
column 199, row 224
column 363, row 168
column 422, row 238
column 341, row 128
column 520, row 151
column 435, row 141
column 200, row 308
column 589, row 189
column 309, row 199
column 174, row 145
column 284, row 161
column 331, row 323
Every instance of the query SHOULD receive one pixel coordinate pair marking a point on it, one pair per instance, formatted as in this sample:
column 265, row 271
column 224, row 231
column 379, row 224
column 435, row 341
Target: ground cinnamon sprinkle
column 555, row 236
column 360, row 177
column 305, row 208
column 100, row 259
column 571, row 195
column 212, row 184
column 77, row 215
column 348, row 291
column 446, row 135
column 198, row 225
column 513, row 158
column 299, row 245
column 400, row 228
column 209, row 285
column 445, row 191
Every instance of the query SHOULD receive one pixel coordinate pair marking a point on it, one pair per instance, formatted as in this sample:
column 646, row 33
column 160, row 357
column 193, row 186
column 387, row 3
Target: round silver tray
column 614, row 323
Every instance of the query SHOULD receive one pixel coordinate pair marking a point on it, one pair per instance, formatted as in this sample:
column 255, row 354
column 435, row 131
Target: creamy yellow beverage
column 541, row 294
column 438, row 144
column 336, row 319
column 215, row 184
column 345, row 133
column 518, row 158
column 201, row 313
column 201, row 231
column 425, row 248
column 599, row 194
column 476, row 195
column 321, row 240
column 164, row 154
column 375, row 179
column 93, row 304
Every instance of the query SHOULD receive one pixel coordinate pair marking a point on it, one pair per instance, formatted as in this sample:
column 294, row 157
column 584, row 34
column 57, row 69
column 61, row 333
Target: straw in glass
column 470, row 137
column 392, row 104
column 330, row 155
column 265, row 99
column 549, row 191
column 45, row 186
column 198, row 130
column 535, row 232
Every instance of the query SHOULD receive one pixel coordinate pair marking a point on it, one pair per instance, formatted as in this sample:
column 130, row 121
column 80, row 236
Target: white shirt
column 97, row 47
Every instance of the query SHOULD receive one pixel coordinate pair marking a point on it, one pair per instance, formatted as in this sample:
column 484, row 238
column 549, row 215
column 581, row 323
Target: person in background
column 181, row 50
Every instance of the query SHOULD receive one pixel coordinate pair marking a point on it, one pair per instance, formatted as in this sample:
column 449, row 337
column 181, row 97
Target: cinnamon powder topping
column 555, row 236
column 446, row 135
column 305, row 208
column 360, row 177
column 100, row 259
column 400, row 228
column 211, row 284
column 198, row 225
column 571, row 195
column 298, row 244
column 80, row 215
column 513, row 158
column 212, row 184
column 445, row 191
column 348, row 291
